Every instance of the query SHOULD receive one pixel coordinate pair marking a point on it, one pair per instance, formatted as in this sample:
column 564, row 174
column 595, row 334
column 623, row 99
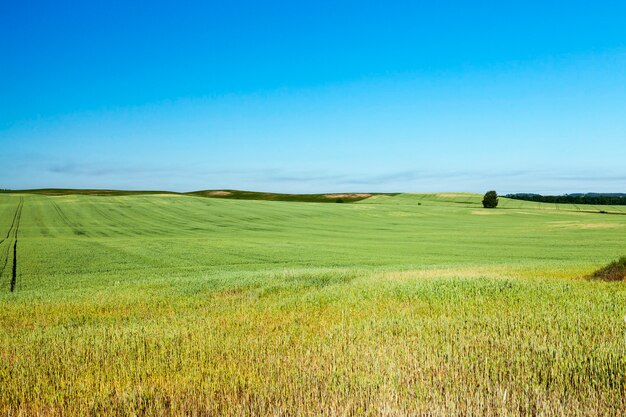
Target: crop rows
column 170, row 305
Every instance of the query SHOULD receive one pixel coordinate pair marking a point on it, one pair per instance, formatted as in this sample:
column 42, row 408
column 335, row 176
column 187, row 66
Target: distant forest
column 613, row 199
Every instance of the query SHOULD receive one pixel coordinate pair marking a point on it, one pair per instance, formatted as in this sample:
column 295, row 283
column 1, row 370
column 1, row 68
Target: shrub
column 615, row 271
column 339, row 200
column 490, row 200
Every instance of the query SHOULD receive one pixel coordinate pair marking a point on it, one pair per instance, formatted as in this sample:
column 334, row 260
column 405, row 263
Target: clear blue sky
column 320, row 96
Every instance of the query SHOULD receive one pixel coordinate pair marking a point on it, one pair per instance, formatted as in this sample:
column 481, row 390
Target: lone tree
column 490, row 200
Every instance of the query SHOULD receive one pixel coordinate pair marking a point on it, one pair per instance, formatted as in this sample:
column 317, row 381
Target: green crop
column 414, row 304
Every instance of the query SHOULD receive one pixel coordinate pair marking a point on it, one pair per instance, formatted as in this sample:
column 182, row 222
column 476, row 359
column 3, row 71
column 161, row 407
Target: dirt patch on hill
column 354, row 195
column 219, row 193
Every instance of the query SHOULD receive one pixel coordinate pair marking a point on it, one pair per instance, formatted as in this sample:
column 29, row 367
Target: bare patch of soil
column 219, row 193
column 354, row 195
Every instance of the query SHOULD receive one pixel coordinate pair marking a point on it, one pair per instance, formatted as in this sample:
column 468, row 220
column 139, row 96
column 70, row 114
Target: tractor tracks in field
column 14, row 273
column 16, row 215
column 75, row 228
column 12, row 235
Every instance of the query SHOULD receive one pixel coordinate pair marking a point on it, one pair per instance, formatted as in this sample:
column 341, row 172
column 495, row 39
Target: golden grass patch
column 401, row 214
column 487, row 212
column 581, row 225
column 454, row 195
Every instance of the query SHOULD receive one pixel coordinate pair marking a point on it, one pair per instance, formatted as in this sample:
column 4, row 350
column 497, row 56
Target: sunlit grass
column 185, row 306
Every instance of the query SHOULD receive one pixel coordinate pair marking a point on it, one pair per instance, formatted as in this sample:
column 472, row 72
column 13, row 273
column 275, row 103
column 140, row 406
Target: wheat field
column 415, row 304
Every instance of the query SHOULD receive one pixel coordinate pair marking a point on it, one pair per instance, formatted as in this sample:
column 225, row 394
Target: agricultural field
column 391, row 305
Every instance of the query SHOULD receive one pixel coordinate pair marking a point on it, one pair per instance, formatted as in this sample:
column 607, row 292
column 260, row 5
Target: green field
column 409, row 304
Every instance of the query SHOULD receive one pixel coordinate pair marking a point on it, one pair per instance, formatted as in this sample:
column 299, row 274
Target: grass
column 170, row 305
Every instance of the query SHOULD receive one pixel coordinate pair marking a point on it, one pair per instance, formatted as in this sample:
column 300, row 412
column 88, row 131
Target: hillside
column 228, row 194
column 475, row 200
column 427, row 199
column 308, row 198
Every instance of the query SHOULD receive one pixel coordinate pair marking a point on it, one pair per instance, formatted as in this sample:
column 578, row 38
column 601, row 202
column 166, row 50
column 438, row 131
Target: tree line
column 591, row 198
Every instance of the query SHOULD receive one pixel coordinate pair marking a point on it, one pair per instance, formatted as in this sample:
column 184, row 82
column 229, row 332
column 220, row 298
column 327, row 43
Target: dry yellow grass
column 488, row 212
column 469, row 341
column 582, row 225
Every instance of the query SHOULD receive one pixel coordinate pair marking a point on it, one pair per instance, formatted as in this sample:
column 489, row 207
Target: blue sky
column 316, row 97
